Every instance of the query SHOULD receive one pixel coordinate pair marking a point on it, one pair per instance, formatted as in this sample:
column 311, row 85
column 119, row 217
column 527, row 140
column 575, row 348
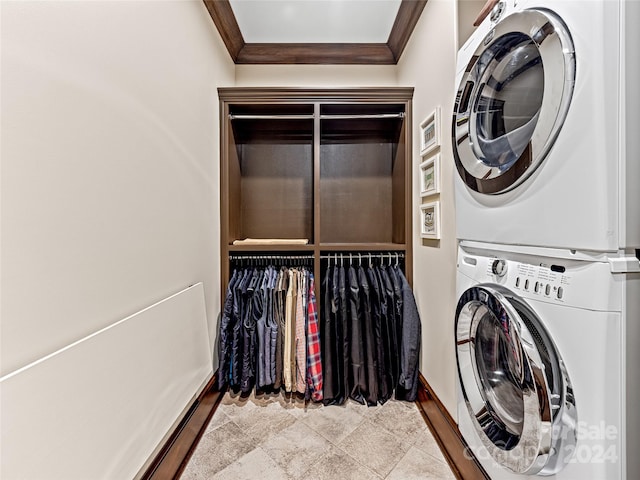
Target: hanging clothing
column 329, row 341
column 272, row 328
column 300, row 335
column 364, row 345
column 410, row 343
column 380, row 337
column 289, row 333
column 368, row 342
column 224, row 350
column 266, row 340
column 344, row 327
column 280, row 299
column 371, row 334
column 249, row 334
column 262, row 336
column 314, row 358
column 358, row 381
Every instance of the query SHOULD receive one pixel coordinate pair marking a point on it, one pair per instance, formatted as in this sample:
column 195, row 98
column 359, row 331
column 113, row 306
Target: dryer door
column 512, row 100
column 515, row 386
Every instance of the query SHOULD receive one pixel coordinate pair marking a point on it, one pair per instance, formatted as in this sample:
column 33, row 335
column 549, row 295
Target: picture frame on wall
column 430, row 176
column 430, row 132
column 430, row 220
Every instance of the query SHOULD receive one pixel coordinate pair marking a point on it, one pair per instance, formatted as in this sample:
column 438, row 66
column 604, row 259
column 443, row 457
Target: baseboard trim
column 445, row 431
column 176, row 452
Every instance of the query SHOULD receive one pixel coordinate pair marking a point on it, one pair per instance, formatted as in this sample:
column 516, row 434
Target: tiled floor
column 276, row 437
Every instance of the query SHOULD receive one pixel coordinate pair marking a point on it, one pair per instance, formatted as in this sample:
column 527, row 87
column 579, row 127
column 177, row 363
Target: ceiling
column 315, row 31
column 315, row 21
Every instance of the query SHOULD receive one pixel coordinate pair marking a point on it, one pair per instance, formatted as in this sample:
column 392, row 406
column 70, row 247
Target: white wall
column 428, row 63
column 316, row 75
column 109, row 165
column 109, row 169
column 468, row 11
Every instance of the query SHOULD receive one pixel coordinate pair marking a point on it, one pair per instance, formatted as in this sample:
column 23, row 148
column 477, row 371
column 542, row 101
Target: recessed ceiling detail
column 315, row 21
column 315, row 31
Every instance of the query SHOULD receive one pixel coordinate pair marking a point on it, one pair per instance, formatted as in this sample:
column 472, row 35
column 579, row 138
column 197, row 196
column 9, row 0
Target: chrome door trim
column 501, row 168
column 547, row 432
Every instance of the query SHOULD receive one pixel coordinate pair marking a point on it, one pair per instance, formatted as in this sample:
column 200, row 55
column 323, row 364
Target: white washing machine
column 548, row 377
column 545, row 127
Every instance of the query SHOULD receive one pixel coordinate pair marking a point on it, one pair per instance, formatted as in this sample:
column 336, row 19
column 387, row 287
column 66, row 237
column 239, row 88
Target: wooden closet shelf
column 269, row 117
column 271, row 248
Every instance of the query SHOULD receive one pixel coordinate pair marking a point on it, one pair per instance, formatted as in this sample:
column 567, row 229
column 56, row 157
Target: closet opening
column 314, row 171
column 270, row 168
column 362, row 174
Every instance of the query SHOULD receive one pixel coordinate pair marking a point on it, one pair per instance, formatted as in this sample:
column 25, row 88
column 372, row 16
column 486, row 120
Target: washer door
column 512, row 100
column 514, row 383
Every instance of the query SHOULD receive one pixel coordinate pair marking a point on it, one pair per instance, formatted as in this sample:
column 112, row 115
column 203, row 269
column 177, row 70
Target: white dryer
column 545, row 127
column 546, row 348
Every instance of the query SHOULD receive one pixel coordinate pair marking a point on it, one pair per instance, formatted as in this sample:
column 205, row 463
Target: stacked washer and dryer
column 546, row 140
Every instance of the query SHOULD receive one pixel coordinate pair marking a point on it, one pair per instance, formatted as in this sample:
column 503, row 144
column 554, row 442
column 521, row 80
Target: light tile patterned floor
column 274, row 437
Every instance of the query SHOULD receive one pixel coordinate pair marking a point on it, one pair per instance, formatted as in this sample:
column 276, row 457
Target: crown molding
column 243, row 53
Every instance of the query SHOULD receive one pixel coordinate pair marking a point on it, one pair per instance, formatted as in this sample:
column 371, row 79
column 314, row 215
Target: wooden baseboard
column 176, row 452
column 445, row 431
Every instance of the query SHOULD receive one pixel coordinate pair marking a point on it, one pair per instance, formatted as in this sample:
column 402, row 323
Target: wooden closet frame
column 316, row 96
column 176, row 451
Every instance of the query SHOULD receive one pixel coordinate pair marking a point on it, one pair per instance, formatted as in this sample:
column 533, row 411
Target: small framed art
column 430, row 132
column 430, row 220
column 430, row 176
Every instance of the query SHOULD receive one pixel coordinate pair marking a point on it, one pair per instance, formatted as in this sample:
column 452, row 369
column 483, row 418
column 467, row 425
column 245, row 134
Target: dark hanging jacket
column 380, row 337
column 393, row 319
column 224, row 335
column 410, row 346
column 329, row 340
column 236, row 329
column 368, row 341
column 344, row 334
column 251, row 296
column 260, row 314
column 358, row 391
column 280, row 300
column 272, row 327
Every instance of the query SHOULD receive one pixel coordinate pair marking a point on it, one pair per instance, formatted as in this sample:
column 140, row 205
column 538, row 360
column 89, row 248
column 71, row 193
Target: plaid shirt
column 314, row 361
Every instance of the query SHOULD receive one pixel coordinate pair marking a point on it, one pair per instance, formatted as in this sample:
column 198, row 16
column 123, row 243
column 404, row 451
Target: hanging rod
column 233, row 116
column 362, row 116
column 271, row 257
column 324, row 256
column 331, row 256
column 269, row 117
column 351, row 258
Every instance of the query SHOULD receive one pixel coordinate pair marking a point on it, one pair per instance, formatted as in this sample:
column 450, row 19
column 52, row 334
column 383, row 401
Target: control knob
column 499, row 267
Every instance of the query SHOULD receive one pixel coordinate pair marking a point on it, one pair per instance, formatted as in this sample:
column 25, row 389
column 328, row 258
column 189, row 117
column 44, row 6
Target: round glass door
column 512, row 100
column 514, row 383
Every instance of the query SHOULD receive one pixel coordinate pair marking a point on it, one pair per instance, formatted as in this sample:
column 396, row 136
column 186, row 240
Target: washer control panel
column 499, row 267
column 561, row 281
column 541, row 280
column 545, row 281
